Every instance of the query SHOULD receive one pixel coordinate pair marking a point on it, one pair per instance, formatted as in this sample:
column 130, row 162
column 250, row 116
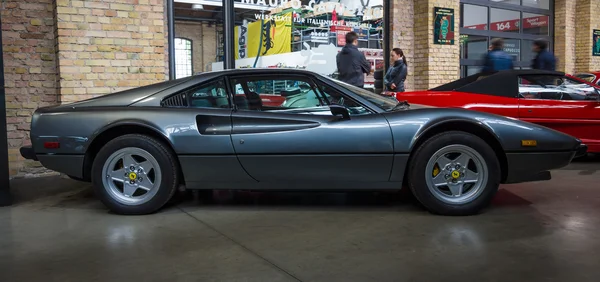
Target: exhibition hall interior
column 300, row 140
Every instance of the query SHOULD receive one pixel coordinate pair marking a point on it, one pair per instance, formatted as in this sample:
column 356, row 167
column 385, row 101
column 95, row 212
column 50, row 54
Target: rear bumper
column 527, row 167
column 28, row 153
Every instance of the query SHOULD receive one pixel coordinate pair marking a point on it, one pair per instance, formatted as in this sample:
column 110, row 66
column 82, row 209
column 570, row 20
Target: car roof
column 245, row 71
column 500, row 83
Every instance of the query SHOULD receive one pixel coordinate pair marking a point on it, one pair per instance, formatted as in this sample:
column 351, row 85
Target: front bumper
column 527, row 167
column 28, row 153
column 581, row 151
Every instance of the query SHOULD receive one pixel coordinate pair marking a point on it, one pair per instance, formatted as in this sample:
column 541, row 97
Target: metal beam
column 5, row 196
column 386, row 34
column 228, row 34
column 171, row 38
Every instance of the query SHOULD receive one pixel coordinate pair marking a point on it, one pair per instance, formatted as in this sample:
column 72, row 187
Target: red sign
column 533, row 22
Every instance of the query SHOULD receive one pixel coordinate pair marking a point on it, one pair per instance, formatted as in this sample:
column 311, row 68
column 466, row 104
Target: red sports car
column 552, row 99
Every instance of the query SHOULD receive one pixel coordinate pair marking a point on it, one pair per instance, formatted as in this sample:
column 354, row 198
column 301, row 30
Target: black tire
column 170, row 173
column 417, row 174
column 378, row 90
column 378, row 74
column 378, row 83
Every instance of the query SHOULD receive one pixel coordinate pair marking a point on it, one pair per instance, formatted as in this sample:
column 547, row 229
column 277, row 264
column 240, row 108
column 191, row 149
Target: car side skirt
column 296, row 186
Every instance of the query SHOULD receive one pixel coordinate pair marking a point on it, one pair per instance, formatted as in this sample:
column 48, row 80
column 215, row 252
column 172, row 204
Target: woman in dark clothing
column 396, row 75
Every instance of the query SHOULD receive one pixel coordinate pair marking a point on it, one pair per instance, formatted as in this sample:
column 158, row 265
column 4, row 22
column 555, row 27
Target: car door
column 563, row 104
column 301, row 141
column 201, row 134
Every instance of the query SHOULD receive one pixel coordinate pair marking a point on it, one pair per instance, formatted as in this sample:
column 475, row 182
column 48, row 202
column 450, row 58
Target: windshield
column 385, row 103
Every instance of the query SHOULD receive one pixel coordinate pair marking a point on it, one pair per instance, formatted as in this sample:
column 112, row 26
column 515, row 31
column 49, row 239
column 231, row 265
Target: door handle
column 530, row 111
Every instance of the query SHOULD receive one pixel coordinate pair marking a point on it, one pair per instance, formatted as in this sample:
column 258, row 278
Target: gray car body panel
column 220, row 148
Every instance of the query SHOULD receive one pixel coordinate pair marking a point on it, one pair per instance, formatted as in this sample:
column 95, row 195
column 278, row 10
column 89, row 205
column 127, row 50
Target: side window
column 275, row 94
column 335, row 97
column 209, row 95
column 552, row 87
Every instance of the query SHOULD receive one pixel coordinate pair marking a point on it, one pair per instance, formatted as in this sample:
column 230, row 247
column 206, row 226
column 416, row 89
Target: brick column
column 106, row 46
column 587, row 20
column 564, row 38
column 434, row 64
column 402, row 34
column 28, row 39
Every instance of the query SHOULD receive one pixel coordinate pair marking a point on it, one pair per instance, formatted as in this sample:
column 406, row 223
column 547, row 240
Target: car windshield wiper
column 404, row 104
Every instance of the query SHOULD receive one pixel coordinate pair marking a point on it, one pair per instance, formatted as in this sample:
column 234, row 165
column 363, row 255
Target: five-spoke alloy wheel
column 135, row 174
column 454, row 173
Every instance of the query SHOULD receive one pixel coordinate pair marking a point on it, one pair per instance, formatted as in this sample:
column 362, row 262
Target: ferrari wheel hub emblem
column 132, row 176
column 455, row 174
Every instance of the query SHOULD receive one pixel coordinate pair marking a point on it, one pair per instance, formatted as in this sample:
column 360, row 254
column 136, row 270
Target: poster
column 596, row 43
column 276, row 37
column 443, row 26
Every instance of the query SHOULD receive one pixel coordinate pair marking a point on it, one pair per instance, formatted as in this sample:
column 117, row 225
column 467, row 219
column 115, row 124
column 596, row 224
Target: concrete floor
column 548, row 231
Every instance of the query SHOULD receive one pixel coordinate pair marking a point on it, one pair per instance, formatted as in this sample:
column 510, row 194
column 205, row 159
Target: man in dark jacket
column 544, row 60
column 496, row 59
column 351, row 63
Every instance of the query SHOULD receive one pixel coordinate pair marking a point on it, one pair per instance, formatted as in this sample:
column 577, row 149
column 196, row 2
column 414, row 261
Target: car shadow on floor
column 61, row 192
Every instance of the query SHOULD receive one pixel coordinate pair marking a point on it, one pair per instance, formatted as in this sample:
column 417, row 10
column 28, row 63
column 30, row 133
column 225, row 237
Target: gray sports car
column 287, row 129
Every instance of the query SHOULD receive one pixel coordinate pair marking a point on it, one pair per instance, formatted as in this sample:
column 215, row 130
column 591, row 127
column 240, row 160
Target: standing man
column 544, row 60
column 496, row 59
column 351, row 63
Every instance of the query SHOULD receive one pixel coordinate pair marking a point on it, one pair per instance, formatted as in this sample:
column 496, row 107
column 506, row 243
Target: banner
column 596, row 43
column 276, row 37
column 443, row 26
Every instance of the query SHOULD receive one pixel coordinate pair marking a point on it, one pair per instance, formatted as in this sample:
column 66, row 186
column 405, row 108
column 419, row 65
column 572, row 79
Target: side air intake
column 179, row 100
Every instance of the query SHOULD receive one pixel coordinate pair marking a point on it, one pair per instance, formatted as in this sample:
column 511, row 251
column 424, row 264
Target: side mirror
column 337, row 110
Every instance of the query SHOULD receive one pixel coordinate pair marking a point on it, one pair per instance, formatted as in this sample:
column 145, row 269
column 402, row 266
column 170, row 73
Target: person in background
column 496, row 59
column 351, row 63
column 396, row 74
column 544, row 60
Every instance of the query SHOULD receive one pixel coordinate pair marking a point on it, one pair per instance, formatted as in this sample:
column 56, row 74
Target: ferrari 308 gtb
column 287, row 129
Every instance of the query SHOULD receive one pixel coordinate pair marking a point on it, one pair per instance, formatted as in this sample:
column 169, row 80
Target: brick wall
column 203, row 38
column 434, row 64
column 564, row 28
column 403, row 37
column 106, row 46
column 587, row 20
column 28, row 38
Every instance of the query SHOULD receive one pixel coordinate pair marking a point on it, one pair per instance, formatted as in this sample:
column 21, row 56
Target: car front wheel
column 135, row 174
column 454, row 173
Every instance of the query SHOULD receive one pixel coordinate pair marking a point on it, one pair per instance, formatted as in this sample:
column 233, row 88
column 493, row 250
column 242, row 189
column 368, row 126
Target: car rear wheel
column 454, row 173
column 135, row 174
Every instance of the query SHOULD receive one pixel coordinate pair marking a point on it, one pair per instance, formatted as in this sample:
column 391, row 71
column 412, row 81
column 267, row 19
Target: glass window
column 473, row 47
column 210, row 95
column 471, row 70
column 513, row 48
column 275, row 94
column 551, row 87
column 586, row 76
column 474, row 17
column 514, row 2
column 183, row 57
column 527, row 54
column 385, row 103
column 307, row 34
column 541, row 4
column 535, row 24
column 504, row 20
